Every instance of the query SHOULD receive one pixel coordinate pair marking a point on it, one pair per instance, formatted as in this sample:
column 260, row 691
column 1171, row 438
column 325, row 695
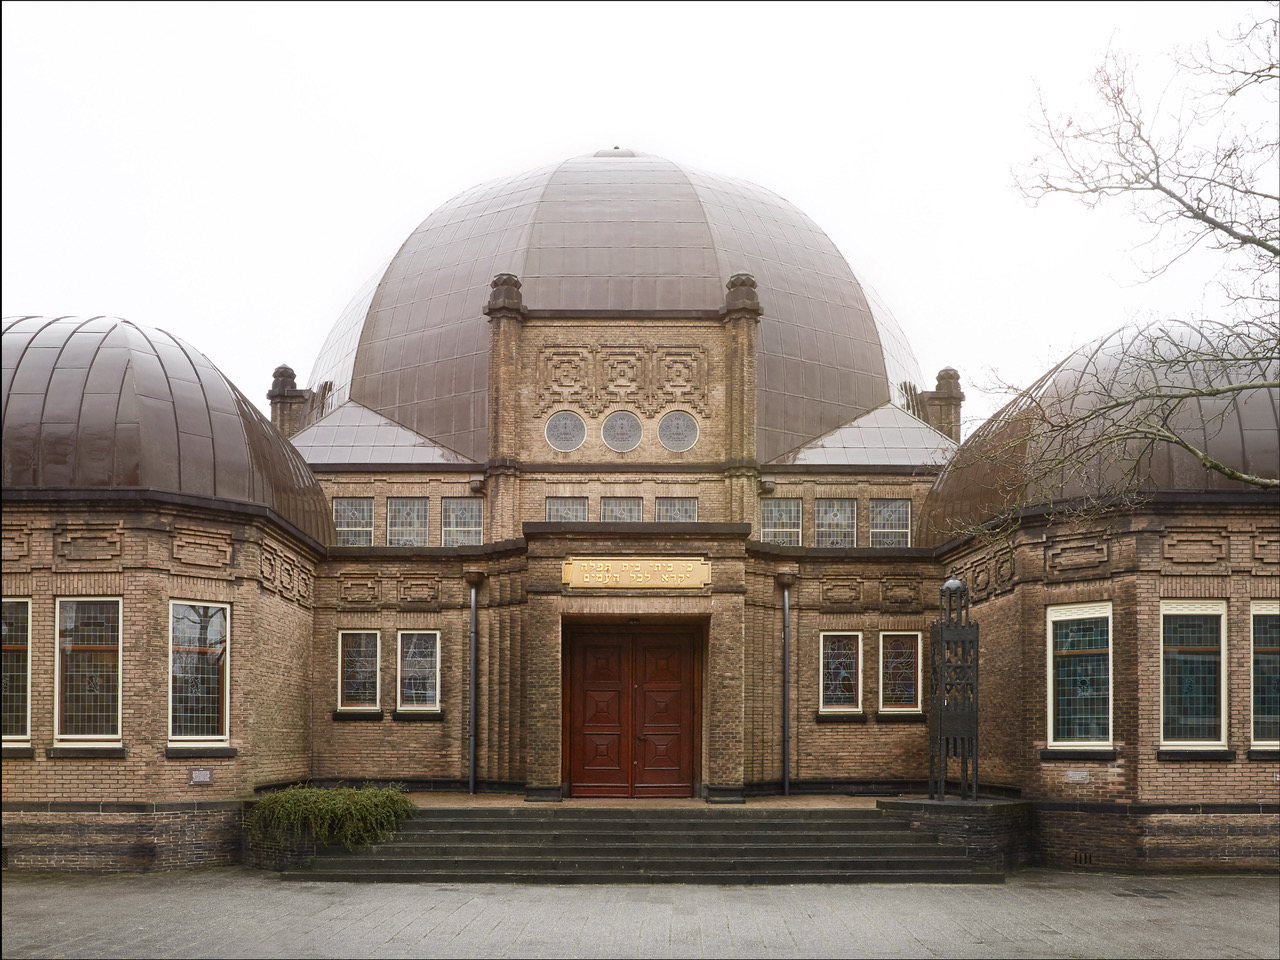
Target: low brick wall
column 270, row 852
column 997, row 833
column 1183, row 838
column 121, row 837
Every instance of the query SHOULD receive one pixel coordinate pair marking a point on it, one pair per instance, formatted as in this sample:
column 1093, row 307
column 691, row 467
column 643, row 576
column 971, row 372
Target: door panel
column 631, row 714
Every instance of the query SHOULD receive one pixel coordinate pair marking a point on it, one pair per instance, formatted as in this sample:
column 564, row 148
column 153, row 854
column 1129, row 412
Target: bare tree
column 1199, row 169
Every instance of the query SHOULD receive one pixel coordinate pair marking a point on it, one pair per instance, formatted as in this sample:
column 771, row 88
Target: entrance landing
column 428, row 800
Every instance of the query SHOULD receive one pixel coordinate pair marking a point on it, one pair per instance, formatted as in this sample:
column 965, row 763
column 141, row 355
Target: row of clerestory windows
column 621, row 509
column 88, row 665
column 834, row 522
column 461, row 521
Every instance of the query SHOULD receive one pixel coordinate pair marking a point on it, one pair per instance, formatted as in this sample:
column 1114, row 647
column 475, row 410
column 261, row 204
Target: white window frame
column 799, row 524
column 373, row 516
column 822, row 659
column 426, row 527
column 98, row 739
column 817, row 520
column 225, row 736
column 893, row 708
column 657, row 505
column 577, row 501
column 448, row 532
column 416, row 707
column 871, row 523
column 377, row 674
column 24, row 738
column 630, row 499
column 1263, row 607
column 1083, row 611
column 1202, row 607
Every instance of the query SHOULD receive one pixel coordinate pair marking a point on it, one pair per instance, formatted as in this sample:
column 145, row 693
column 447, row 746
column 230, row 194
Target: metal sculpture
column 953, row 693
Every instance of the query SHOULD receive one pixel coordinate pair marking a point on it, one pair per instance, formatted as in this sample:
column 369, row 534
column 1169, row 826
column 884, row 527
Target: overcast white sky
column 232, row 173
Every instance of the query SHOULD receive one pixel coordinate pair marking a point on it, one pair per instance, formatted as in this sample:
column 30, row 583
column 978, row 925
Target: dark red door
column 631, row 714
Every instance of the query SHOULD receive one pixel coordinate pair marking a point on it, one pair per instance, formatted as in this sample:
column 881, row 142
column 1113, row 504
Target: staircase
column 547, row 843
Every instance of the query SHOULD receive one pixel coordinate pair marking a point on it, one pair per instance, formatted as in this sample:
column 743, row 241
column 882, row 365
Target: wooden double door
column 631, row 697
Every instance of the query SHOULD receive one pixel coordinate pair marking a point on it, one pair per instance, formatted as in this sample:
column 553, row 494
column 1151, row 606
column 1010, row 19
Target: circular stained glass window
column 566, row 431
column 678, row 431
column 621, row 431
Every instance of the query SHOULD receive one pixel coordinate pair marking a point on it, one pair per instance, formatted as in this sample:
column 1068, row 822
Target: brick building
column 615, row 481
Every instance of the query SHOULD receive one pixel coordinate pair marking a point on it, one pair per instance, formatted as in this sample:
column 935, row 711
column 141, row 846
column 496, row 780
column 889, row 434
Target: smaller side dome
column 104, row 403
column 1134, row 413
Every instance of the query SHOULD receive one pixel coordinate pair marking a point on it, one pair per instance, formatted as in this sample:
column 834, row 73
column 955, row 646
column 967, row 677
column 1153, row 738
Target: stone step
column 765, row 845
column 702, row 875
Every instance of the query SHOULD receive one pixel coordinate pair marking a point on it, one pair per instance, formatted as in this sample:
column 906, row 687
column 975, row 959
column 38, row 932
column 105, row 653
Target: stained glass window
column 419, row 670
column 88, row 668
column 353, row 521
column 358, row 655
column 566, row 509
column 890, row 523
column 841, row 686
column 834, row 523
column 1266, row 674
column 900, row 671
column 14, row 696
column 1192, row 676
column 197, row 671
column 461, row 521
column 780, row 521
column 1081, row 678
column 676, row 510
column 407, row 521
column 621, row 509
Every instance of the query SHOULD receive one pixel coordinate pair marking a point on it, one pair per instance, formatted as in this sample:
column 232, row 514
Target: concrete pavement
column 237, row 912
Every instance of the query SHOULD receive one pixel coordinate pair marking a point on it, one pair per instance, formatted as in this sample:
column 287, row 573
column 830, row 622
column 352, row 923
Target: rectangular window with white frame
column 780, row 521
column 407, row 521
column 461, row 521
column 835, row 522
column 199, row 647
column 890, row 523
column 841, row 680
column 900, row 672
column 1079, row 687
column 621, row 509
column 1193, row 675
column 1266, row 672
column 16, row 698
column 353, row 521
column 566, row 510
column 676, row 510
column 359, row 683
column 87, row 669
column 419, row 670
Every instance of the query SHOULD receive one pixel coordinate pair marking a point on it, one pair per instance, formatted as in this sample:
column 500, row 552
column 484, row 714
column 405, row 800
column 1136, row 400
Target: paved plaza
column 238, row 912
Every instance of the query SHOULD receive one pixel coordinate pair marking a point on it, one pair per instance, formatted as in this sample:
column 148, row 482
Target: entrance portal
column 631, row 698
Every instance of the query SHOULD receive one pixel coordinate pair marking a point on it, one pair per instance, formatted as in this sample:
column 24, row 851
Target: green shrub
column 351, row 816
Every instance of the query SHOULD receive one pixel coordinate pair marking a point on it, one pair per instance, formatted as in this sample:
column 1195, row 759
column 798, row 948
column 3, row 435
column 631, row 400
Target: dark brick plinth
column 997, row 833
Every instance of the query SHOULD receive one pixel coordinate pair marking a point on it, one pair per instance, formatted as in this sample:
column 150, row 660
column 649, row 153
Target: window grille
column 900, row 671
column 835, row 523
column 676, row 510
column 353, row 521
column 407, row 521
column 621, row 509
column 359, row 659
column 1081, row 680
column 88, row 668
column 841, row 683
column 780, row 521
column 890, row 523
column 15, row 630
column 1266, row 677
column 419, row 670
column 566, row 509
column 197, row 671
column 1192, row 677
column 461, row 521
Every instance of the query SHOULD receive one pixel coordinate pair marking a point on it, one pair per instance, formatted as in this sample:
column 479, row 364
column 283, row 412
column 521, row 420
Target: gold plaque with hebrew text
column 638, row 573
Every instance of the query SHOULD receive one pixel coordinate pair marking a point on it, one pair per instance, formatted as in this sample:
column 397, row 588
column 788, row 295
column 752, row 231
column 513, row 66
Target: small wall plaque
column 1076, row 776
column 637, row 573
column 201, row 777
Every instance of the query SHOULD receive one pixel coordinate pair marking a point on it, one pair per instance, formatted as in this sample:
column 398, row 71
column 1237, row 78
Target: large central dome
column 616, row 234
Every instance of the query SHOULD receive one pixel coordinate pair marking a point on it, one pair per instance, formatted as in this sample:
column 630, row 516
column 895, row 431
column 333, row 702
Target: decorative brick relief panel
column 87, row 548
column 1194, row 551
column 1266, row 547
column 565, row 377
column 1077, row 556
column 281, row 574
column 358, row 591
column 623, row 376
column 201, row 548
column 681, row 379
column 841, row 591
column 899, row 592
column 420, row 591
column 648, row 379
column 16, row 544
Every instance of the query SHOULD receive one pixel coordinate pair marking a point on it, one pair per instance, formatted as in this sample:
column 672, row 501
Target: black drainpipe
column 474, row 577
